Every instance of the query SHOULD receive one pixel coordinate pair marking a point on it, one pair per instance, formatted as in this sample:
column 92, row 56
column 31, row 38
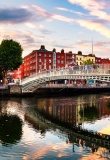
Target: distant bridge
column 95, row 72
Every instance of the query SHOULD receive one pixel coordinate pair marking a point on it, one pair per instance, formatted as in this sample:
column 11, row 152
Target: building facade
column 42, row 60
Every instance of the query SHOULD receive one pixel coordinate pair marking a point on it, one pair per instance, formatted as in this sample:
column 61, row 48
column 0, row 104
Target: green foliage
column 88, row 62
column 10, row 129
column 10, row 55
column 89, row 113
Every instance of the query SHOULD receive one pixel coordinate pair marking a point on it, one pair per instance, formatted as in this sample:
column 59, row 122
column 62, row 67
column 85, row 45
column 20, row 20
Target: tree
column 10, row 56
column 87, row 62
column 10, row 125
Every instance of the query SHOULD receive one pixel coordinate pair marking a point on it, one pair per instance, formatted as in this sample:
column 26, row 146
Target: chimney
column 42, row 47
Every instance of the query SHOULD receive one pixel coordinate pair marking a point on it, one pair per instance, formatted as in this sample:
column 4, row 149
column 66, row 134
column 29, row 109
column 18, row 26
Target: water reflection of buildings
column 63, row 109
column 67, row 109
column 79, row 140
column 35, row 123
column 103, row 109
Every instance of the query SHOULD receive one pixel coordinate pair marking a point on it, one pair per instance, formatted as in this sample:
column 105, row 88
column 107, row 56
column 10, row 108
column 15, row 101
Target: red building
column 105, row 61
column 41, row 60
column 19, row 74
column 99, row 60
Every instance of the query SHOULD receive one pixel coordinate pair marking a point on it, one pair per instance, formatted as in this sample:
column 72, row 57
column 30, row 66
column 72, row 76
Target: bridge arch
column 34, row 81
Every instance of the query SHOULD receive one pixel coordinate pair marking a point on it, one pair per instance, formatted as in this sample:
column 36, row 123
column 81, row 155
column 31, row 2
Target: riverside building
column 42, row 60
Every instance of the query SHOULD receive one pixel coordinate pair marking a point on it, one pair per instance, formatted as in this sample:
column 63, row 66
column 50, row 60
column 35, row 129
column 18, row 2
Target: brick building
column 19, row 74
column 41, row 60
column 99, row 60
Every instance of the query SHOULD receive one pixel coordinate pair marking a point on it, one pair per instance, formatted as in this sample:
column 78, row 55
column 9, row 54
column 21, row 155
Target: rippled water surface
column 42, row 128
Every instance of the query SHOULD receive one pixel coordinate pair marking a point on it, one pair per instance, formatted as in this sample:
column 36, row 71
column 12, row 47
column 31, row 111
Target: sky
column 71, row 25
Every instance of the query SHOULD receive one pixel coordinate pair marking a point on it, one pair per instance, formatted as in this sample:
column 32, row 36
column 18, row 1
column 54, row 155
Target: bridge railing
column 81, row 70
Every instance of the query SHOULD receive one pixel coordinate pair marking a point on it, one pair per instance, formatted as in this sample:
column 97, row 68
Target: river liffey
column 70, row 128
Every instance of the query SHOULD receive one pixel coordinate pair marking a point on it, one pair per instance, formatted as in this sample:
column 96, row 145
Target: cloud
column 100, row 48
column 30, row 16
column 33, row 13
column 102, row 44
column 41, row 11
column 101, row 15
column 96, row 26
column 68, row 10
column 62, row 18
column 27, row 39
column 39, row 28
column 31, row 25
column 89, row 4
column 96, row 8
column 23, row 14
column 14, row 15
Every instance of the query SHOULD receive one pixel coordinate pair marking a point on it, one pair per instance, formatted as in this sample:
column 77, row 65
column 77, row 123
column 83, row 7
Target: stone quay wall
column 15, row 89
column 12, row 90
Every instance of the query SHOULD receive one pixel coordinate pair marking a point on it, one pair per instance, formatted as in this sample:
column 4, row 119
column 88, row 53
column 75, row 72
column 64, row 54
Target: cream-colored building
column 81, row 58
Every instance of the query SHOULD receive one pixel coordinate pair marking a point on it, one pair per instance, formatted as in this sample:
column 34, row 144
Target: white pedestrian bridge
column 95, row 72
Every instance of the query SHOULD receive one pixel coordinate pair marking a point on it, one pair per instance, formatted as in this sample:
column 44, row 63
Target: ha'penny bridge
column 97, row 73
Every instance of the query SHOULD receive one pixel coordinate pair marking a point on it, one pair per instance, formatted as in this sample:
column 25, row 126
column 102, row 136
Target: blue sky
column 62, row 24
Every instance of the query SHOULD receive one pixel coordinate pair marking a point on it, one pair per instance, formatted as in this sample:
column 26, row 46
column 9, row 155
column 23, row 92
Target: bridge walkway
column 95, row 72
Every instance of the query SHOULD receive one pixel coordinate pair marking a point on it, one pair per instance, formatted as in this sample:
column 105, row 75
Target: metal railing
column 82, row 70
column 87, row 70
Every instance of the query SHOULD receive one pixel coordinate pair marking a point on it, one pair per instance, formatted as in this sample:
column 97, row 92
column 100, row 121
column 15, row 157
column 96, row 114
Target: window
column 50, row 55
column 49, row 66
column 58, row 61
column 44, row 60
column 39, row 60
column 34, row 67
column 44, row 66
column 39, row 54
column 62, row 62
column 50, row 61
column 44, row 55
column 40, row 66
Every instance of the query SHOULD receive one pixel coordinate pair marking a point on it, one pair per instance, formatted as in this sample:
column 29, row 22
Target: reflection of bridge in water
column 94, row 72
column 75, row 135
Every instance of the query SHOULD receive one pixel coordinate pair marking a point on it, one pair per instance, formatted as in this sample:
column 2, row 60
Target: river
column 43, row 128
